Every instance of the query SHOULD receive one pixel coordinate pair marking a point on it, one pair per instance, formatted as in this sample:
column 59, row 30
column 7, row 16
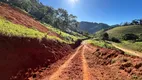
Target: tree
column 140, row 21
column 73, row 24
column 135, row 22
column 126, row 24
column 140, row 37
column 115, row 40
column 130, row 37
column 105, row 36
column 63, row 18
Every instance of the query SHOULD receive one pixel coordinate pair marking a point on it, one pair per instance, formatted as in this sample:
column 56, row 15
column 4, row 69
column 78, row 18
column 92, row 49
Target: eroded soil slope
column 17, row 16
column 20, row 55
column 107, row 64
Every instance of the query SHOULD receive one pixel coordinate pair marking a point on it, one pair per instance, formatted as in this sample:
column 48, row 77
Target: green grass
column 67, row 37
column 8, row 28
column 136, row 46
column 99, row 33
column 118, row 32
column 100, row 43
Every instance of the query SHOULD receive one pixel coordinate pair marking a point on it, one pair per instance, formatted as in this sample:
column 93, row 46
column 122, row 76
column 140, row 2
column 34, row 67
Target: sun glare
column 73, row 1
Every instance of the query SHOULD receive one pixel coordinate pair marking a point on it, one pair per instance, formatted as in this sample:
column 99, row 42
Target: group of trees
column 132, row 37
column 58, row 18
column 133, row 22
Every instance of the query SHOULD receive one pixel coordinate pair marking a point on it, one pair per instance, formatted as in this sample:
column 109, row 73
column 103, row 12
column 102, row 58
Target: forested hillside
column 57, row 18
column 91, row 27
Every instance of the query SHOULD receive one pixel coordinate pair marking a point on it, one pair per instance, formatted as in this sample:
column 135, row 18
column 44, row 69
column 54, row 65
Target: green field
column 99, row 43
column 136, row 46
column 7, row 28
column 118, row 32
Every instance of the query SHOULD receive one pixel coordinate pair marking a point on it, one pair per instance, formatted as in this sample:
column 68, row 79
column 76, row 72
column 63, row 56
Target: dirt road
column 87, row 63
column 71, row 69
column 75, row 68
column 131, row 52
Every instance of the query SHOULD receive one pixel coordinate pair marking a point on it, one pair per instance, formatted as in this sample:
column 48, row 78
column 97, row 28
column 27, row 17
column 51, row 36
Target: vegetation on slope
column 91, row 27
column 118, row 32
column 67, row 37
column 99, row 43
column 58, row 18
column 128, row 37
column 9, row 29
column 136, row 46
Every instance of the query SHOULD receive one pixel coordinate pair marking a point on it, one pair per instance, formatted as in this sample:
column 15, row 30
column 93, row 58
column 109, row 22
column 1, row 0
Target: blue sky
column 106, row 11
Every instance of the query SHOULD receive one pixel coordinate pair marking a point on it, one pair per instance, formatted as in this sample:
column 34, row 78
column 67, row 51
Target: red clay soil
column 69, row 68
column 108, row 64
column 17, row 16
column 20, row 57
column 94, row 63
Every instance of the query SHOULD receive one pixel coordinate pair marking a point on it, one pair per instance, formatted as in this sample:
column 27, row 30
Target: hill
column 17, row 16
column 58, row 18
column 26, row 44
column 118, row 32
column 91, row 27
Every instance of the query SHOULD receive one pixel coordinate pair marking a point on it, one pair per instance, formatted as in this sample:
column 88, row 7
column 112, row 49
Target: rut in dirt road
column 86, row 74
column 75, row 68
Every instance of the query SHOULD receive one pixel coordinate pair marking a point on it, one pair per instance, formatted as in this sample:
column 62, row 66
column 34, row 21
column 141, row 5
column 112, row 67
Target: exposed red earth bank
column 20, row 55
column 17, row 16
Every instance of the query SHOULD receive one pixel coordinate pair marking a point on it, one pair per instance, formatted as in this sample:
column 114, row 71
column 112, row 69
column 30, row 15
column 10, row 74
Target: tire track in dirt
column 86, row 74
column 88, row 50
column 71, row 69
column 75, row 68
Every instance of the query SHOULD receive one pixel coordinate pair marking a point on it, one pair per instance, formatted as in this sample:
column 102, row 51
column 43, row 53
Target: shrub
column 140, row 37
column 130, row 37
column 105, row 36
column 115, row 40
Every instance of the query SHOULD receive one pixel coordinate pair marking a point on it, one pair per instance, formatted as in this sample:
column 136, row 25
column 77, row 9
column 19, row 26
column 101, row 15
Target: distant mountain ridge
column 92, row 27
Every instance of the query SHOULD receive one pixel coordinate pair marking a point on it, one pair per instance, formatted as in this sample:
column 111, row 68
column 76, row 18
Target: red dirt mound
column 17, row 16
column 20, row 55
column 114, row 64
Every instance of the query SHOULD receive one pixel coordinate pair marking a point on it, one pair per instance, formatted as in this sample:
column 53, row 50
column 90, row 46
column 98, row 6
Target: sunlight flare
column 73, row 1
